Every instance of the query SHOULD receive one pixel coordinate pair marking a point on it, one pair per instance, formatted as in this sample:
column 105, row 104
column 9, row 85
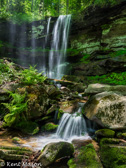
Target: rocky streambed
column 43, row 104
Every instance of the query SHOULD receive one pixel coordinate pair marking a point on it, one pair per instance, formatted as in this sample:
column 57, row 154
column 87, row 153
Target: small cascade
column 72, row 125
column 56, row 65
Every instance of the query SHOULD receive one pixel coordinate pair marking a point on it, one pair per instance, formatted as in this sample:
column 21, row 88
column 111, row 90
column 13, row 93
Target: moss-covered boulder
column 55, row 151
column 113, row 153
column 108, row 109
column 28, row 127
column 105, row 133
column 86, row 157
column 49, row 127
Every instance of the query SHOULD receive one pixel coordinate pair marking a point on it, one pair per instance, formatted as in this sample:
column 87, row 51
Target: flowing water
column 57, row 54
column 71, row 126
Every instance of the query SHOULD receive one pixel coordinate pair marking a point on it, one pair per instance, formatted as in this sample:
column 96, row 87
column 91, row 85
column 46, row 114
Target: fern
column 15, row 107
column 31, row 76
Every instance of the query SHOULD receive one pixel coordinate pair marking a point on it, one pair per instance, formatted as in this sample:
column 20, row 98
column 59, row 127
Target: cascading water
column 57, row 54
column 72, row 125
column 48, row 28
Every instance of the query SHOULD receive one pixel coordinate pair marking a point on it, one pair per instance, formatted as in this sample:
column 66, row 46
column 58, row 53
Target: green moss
column 72, row 164
column 121, row 135
column 85, row 59
column 105, row 133
column 87, row 157
column 109, row 141
column 49, row 127
column 15, row 139
column 28, row 127
column 113, row 156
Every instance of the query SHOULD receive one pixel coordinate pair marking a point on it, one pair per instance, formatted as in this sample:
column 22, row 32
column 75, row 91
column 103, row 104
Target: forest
column 63, row 83
column 29, row 10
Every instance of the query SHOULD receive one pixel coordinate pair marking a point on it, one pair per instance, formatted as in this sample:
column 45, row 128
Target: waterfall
column 48, row 28
column 22, row 45
column 72, row 125
column 57, row 54
column 33, row 44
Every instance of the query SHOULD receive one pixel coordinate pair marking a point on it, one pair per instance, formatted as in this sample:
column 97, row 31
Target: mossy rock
column 16, row 139
column 28, row 127
column 109, row 141
column 86, row 157
column 121, row 135
column 55, row 151
column 49, row 127
column 105, row 133
column 113, row 155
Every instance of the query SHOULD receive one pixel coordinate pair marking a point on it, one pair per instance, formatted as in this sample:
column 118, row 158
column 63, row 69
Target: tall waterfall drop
column 56, row 66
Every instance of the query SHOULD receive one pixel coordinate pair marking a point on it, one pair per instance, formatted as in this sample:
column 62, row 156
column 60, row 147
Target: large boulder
column 55, row 151
column 108, row 109
column 98, row 88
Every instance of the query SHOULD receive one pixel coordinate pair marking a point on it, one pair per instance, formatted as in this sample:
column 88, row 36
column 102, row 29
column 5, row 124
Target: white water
column 58, row 47
column 71, row 126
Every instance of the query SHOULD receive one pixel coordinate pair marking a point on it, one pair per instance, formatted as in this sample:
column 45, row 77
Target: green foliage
column 31, row 76
column 113, row 78
column 26, row 11
column 15, row 107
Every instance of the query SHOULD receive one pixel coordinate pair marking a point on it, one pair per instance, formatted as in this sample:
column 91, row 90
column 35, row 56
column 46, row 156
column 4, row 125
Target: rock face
column 99, row 33
column 108, row 109
column 55, row 151
column 98, row 88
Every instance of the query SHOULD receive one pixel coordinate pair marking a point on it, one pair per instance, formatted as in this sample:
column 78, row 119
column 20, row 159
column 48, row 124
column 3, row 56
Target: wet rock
column 107, row 109
column 105, row 133
column 98, row 88
column 85, row 156
column 68, row 106
column 55, row 151
column 79, row 143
